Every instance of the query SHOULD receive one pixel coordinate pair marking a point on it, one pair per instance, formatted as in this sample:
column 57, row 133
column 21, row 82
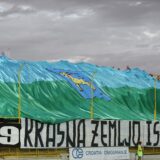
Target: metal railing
column 19, row 153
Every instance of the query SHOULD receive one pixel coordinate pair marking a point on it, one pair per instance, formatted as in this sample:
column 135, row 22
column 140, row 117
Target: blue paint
column 84, row 89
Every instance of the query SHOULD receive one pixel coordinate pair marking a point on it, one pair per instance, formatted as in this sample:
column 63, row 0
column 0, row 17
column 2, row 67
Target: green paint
column 56, row 102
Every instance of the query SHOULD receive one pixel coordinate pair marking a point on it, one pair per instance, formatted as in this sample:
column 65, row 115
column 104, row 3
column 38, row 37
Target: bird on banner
column 81, row 83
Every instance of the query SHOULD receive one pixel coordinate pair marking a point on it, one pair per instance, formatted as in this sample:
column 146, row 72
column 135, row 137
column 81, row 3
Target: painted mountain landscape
column 56, row 92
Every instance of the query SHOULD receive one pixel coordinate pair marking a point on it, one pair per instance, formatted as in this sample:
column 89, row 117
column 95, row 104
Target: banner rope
column 19, row 92
column 155, row 98
column 92, row 97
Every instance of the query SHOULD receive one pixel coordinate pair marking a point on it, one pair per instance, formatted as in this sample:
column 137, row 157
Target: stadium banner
column 9, row 134
column 89, row 133
column 102, row 153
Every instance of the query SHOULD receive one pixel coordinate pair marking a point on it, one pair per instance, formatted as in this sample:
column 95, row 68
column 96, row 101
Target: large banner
column 89, row 133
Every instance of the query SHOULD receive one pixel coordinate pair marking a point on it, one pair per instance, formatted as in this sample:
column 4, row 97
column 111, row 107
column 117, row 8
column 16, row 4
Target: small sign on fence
column 99, row 153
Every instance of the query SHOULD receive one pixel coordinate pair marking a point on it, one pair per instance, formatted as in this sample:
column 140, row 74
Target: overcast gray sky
column 104, row 32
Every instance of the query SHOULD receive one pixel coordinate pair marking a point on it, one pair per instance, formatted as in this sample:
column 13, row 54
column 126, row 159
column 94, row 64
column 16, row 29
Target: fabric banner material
column 56, row 92
column 102, row 153
column 89, row 133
